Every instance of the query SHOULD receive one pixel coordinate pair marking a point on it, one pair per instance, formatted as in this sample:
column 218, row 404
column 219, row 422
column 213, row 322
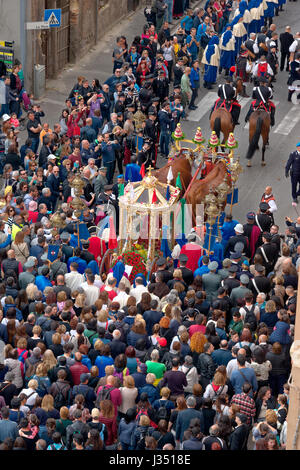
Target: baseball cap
column 161, row 261
column 51, row 157
column 259, row 268
column 244, row 279
column 213, row 265
column 5, row 117
column 29, row 264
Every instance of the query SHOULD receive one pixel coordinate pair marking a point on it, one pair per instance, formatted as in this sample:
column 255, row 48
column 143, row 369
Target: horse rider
column 227, row 99
column 262, row 95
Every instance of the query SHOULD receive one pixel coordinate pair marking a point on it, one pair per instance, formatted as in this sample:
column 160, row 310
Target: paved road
column 283, row 137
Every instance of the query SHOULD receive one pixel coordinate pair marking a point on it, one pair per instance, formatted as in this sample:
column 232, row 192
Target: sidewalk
column 96, row 64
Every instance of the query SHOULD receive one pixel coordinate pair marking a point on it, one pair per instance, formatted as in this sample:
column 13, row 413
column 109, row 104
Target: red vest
column 266, row 199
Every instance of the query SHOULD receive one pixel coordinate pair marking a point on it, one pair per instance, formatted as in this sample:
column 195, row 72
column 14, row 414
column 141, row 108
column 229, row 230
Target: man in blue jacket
column 184, row 418
column 243, row 374
column 108, row 152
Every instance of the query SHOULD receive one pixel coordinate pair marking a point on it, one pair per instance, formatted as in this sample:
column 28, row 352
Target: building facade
column 84, row 23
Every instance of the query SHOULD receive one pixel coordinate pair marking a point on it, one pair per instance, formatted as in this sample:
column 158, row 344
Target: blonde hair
column 56, row 338
column 41, row 370
column 95, row 413
column 49, row 359
column 144, row 420
column 31, row 291
column 47, row 403
column 36, row 330
column 80, row 300
column 219, row 379
column 33, row 384
column 129, row 382
column 271, row 416
column 150, row 378
column 109, row 370
column 61, row 296
column 98, row 344
column 102, row 316
column 165, row 392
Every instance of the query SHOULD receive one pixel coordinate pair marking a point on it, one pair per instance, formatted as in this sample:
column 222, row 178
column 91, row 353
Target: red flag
column 143, row 171
column 112, row 242
column 154, row 197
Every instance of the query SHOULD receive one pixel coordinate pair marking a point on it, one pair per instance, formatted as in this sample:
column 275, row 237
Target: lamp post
column 77, row 203
column 57, row 222
column 222, row 191
column 211, row 212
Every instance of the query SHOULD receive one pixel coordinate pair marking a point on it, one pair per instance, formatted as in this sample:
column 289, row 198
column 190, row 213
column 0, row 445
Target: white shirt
column 138, row 291
column 294, row 46
column 31, row 399
column 272, row 205
column 255, row 69
column 121, row 298
column 92, row 293
column 74, row 280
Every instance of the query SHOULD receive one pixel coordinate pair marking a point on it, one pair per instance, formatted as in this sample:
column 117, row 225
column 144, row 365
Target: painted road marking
column 289, row 121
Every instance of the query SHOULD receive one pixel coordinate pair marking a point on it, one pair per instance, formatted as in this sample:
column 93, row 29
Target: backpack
column 251, row 318
column 162, row 412
column 52, row 446
column 144, row 411
column 104, row 394
column 262, row 70
column 59, row 399
column 22, row 360
column 141, row 444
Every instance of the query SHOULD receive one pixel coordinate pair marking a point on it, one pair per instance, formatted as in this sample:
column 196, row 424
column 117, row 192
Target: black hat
column 161, row 72
column 229, row 79
column 264, row 206
column 250, row 215
column 85, row 243
column 183, row 258
column 152, row 113
column 149, row 77
column 161, row 261
column 267, row 236
column 262, row 80
column 233, row 268
column 236, row 255
column 259, row 268
column 108, row 187
column 155, row 99
column 130, row 105
column 148, row 141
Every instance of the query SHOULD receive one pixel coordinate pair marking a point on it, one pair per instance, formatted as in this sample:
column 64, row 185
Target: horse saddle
column 265, row 106
column 226, row 104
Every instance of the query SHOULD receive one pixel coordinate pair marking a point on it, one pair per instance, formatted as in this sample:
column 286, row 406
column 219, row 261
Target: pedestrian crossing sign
column 53, row 17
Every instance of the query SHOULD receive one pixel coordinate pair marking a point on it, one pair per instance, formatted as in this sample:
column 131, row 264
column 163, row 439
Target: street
column 283, row 137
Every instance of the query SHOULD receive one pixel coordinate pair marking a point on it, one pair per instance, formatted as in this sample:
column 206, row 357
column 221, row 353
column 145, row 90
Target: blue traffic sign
column 53, row 17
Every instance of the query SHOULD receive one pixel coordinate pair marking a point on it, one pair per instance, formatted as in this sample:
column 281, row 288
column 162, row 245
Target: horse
column 221, row 121
column 259, row 125
column 200, row 188
column 180, row 164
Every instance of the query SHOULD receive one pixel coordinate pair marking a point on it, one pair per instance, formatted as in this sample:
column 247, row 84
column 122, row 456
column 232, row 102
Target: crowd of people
column 195, row 357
